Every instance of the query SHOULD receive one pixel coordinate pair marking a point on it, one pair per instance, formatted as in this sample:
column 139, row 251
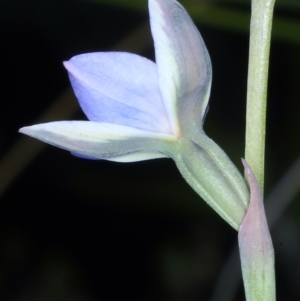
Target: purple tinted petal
column 96, row 140
column 119, row 88
column 183, row 62
column 84, row 156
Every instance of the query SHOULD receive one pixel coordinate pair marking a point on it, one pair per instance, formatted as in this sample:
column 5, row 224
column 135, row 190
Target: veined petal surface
column 99, row 140
column 183, row 63
column 120, row 88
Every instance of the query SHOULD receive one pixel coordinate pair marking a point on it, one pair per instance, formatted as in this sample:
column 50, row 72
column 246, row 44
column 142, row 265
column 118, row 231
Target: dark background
column 73, row 229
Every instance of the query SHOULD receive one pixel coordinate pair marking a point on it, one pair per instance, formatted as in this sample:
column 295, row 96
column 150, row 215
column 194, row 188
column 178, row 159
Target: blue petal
column 119, row 88
column 84, row 156
column 183, row 63
column 97, row 140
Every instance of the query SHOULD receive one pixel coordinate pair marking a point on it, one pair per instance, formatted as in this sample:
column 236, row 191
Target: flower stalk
column 255, row 243
column 260, row 36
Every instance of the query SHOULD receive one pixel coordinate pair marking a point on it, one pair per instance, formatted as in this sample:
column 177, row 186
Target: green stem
column 260, row 35
column 258, row 272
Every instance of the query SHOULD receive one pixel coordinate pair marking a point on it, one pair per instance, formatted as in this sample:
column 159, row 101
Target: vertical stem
column 257, row 254
column 260, row 34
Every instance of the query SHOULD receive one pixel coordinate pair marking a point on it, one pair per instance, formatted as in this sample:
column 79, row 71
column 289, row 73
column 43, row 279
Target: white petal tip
column 27, row 130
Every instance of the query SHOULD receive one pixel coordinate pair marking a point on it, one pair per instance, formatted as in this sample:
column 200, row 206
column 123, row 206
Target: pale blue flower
column 140, row 110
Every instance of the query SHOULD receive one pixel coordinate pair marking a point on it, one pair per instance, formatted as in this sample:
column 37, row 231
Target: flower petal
column 183, row 62
column 98, row 140
column 119, row 88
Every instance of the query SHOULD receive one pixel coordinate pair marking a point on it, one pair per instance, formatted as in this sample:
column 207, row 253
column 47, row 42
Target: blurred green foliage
column 217, row 14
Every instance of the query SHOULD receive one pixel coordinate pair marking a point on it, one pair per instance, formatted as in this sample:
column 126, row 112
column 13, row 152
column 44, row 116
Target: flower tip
column 66, row 64
column 24, row 130
column 31, row 131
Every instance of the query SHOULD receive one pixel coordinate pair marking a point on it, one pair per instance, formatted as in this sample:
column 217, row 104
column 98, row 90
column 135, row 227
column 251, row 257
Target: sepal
column 207, row 168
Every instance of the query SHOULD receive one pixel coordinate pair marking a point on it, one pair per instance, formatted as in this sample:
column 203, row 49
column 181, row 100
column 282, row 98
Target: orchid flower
column 140, row 110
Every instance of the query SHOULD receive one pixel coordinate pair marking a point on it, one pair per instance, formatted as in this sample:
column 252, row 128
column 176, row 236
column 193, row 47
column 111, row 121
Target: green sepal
column 210, row 172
